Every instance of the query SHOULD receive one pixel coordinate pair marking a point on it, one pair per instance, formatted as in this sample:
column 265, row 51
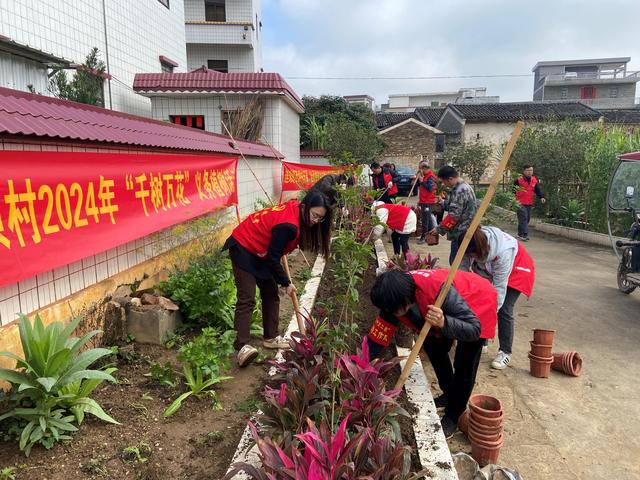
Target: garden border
column 433, row 449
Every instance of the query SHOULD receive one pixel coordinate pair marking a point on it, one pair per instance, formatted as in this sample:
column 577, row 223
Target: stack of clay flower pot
column 540, row 356
column 567, row 362
column 485, row 428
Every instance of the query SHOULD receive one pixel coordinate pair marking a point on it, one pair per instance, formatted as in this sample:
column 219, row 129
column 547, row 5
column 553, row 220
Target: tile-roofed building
column 385, row 120
column 429, row 115
column 426, row 115
column 537, row 111
column 24, row 113
column 622, row 116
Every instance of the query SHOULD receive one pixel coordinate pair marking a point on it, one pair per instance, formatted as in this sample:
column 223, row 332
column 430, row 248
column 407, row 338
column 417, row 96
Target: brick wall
column 405, row 144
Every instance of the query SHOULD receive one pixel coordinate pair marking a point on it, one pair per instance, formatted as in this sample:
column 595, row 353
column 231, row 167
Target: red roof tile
column 23, row 113
column 205, row 80
column 312, row 153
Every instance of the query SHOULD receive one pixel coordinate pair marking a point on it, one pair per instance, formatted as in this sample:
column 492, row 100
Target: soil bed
column 196, row 443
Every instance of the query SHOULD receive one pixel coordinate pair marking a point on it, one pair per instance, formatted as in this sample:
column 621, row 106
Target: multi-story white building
column 366, row 100
column 408, row 102
column 132, row 37
column 224, row 35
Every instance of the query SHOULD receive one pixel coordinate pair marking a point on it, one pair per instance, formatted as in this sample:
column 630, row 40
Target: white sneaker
column 501, row 361
column 279, row 342
column 246, row 355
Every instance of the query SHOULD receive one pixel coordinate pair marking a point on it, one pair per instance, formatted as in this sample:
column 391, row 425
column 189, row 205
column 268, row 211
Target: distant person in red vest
column 256, row 247
column 427, row 199
column 401, row 220
column 395, row 178
column 498, row 257
column 383, row 180
column 525, row 186
column 468, row 315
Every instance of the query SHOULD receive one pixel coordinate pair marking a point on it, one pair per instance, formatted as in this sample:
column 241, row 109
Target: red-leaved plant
column 426, row 262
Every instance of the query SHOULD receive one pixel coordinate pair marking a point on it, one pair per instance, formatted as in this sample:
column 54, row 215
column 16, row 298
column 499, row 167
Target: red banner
column 300, row 176
column 59, row 207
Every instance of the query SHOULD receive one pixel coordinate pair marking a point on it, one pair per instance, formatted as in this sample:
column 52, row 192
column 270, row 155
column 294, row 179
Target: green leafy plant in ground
column 51, row 385
column 198, row 386
column 8, row 473
column 209, row 351
column 164, row 375
column 136, row 453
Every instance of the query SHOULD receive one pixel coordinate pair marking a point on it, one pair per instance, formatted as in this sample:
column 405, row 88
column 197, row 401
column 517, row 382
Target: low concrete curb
column 247, row 451
column 561, row 231
column 433, row 450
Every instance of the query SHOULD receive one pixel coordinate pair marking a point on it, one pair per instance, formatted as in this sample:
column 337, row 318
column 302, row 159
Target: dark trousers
column 400, row 240
column 246, row 302
column 505, row 320
column 426, row 220
column 456, row 381
column 455, row 246
column 524, row 215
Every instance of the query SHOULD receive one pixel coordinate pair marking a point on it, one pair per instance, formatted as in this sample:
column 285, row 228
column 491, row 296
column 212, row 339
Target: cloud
column 363, row 38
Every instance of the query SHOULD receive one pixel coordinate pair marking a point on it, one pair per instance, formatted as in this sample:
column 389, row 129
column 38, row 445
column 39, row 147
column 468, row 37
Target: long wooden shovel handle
column 294, row 297
column 463, row 246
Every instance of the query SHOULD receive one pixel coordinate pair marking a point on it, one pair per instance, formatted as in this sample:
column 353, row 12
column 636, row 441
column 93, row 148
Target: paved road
column 563, row 427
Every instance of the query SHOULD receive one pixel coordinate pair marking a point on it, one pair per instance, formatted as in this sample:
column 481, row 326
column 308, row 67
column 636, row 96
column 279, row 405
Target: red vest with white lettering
column 475, row 290
column 526, row 191
column 523, row 274
column 254, row 233
column 427, row 196
column 397, row 215
column 387, row 178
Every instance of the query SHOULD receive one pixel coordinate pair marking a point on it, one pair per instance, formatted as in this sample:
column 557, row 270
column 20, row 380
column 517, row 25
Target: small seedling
column 136, row 453
column 141, row 409
column 174, row 340
column 147, row 397
column 215, row 436
column 130, row 338
column 248, row 405
column 198, row 386
column 164, row 375
column 124, row 381
column 96, row 467
column 8, row 473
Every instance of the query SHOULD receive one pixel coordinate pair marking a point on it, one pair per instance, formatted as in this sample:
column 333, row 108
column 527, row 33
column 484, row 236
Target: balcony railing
column 223, row 33
column 604, row 102
column 580, row 77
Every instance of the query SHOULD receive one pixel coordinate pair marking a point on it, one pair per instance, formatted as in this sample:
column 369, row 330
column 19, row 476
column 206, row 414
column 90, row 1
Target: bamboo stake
column 294, row 296
column 463, row 246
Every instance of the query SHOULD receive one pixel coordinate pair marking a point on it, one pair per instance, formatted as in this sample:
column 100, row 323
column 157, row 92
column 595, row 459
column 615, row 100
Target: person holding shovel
column 256, row 246
column 501, row 259
column 400, row 219
column 383, row 180
column 468, row 315
column 427, row 200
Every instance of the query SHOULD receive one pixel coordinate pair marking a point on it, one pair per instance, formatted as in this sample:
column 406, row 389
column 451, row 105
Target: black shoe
column 449, row 427
column 441, row 401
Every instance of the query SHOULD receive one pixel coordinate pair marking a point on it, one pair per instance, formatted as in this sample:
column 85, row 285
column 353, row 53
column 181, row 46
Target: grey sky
column 319, row 38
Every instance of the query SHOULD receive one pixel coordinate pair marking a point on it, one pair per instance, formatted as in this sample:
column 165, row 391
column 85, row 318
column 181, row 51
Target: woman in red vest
column 256, row 247
column 498, row 257
column 400, row 219
column 427, row 200
column 383, row 180
column 525, row 186
column 468, row 315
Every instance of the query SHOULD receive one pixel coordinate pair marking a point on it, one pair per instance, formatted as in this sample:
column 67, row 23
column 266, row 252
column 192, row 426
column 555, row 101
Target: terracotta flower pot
column 485, row 405
column 463, row 422
column 539, row 366
column 557, row 361
column 567, row 362
column 478, row 428
column 542, row 336
column 484, row 453
column 541, row 350
column 480, row 437
column 433, row 239
column 487, row 421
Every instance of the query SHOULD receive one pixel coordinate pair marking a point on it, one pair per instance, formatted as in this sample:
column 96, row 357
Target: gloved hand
column 390, row 184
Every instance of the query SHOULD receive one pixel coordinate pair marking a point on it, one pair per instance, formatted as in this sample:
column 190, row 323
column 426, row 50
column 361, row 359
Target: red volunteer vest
column 523, row 274
column 425, row 195
column 397, row 215
column 254, row 233
column 526, row 191
column 387, row 178
column 475, row 290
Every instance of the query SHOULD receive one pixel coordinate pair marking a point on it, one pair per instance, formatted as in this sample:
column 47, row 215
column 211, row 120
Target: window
column 164, row 2
column 166, row 68
column 613, row 92
column 587, row 93
column 435, row 104
column 214, row 11
column 564, row 93
column 439, row 143
column 193, row 121
column 218, row 65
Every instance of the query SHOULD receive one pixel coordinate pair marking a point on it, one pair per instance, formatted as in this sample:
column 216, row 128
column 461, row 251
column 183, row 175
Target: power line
column 435, row 77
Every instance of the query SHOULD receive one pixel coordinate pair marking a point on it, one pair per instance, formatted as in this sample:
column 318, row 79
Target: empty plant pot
column 542, row 336
column 558, row 358
column 478, row 428
column 485, row 405
column 463, row 422
column 541, row 350
column 486, row 454
column 487, row 421
column 567, row 362
column 539, row 367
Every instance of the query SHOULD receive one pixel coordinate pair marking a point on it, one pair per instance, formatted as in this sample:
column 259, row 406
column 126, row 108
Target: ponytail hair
column 315, row 238
column 479, row 245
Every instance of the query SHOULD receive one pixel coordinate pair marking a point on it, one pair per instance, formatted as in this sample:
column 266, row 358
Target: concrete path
column 563, row 427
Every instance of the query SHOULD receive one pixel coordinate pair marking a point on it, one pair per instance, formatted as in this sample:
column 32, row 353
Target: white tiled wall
column 281, row 127
column 17, row 73
column 236, row 10
column 48, row 287
column 240, row 58
column 138, row 32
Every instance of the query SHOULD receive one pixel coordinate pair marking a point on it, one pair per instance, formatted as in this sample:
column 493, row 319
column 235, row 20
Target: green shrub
column 209, row 351
column 51, row 385
column 506, row 200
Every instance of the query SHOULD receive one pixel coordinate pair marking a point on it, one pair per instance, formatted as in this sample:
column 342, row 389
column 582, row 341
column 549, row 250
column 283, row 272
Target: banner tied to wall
column 300, row 176
column 59, row 207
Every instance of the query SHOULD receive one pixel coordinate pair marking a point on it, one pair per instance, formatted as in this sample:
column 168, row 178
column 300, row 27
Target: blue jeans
column 455, row 245
column 524, row 215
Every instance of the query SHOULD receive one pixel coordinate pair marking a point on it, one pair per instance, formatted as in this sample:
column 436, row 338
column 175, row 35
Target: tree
column 471, row 159
column 347, row 139
column 86, row 85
